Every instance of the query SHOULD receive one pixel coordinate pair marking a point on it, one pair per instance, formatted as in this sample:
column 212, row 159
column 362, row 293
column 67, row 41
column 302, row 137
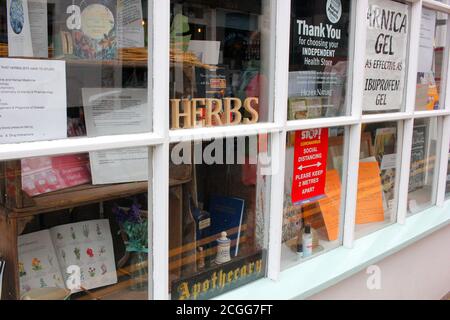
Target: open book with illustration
column 46, row 257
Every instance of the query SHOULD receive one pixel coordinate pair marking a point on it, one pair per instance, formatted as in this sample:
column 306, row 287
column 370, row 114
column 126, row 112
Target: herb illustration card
column 38, row 264
column 86, row 29
column 45, row 256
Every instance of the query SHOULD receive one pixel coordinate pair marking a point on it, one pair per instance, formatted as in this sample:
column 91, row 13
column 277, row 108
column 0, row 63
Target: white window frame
column 160, row 138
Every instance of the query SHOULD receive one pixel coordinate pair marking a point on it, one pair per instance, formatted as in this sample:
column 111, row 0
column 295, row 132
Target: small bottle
column 223, row 249
column 307, row 241
column 299, row 251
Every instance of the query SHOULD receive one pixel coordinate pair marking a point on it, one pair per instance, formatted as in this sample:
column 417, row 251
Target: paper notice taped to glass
column 117, row 111
column 32, row 100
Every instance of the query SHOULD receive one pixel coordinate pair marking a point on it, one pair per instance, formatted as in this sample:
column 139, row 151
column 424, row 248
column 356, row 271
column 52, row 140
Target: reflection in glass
column 312, row 203
column 422, row 184
column 217, row 215
column 82, row 226
column 377, row 178
column 99, row 78
column 431, row 59
column 219, row 71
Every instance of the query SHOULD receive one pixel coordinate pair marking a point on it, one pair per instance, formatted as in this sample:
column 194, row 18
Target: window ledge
column 319, row 273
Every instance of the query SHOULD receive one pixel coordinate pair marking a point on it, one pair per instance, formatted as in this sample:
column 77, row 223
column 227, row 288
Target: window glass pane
column 218, row 215
column 76, row 226
column 422, row 184
column 433, row 37
column 377, row 178
column 318, row 59
column 447, row 190
column 388, row 25
column 220, row 63
column 312, row 218
column 86, row 70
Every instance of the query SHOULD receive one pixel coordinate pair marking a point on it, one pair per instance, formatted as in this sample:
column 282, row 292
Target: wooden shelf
column 128, row 62
column 120, row 290
column 106, row 63
column 83, row 195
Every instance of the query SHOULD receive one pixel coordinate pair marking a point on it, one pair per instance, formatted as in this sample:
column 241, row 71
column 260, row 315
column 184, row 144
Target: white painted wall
column 420, row 271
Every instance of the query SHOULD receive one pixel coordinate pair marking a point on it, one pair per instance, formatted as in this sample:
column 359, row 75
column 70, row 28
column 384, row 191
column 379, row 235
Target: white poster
column 111, row 111
column 387, row 37
column 32, row 100
column 27, row 28
column 119, row 166
column 117, row 111
column 207, row 52
column 426, row 42
column 130, row 31
column 19, row 31
column 37, row 13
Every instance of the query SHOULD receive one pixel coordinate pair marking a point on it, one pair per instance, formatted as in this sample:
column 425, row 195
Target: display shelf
column 176, row 254
column 119, row 291
column 106, row 63
column 126, row 59
column 82, row 195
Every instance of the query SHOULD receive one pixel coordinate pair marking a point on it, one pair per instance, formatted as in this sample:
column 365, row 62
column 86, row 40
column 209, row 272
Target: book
column 75, row 256
column 86, row 29
column 227, row 214
column 42, row 175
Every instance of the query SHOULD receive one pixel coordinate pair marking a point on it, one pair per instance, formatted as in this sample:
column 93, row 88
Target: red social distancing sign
column 310, row 165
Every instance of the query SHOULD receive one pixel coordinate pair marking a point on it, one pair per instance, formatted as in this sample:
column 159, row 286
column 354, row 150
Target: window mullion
column 282, row 31
column 413, row 55
column 442, row 162
column 408, row 125
column 278, row 140
column 353, row 134
column 76, row 145
column 160, row 41
column 278, row 156
column 445, row 142
column 406, row 144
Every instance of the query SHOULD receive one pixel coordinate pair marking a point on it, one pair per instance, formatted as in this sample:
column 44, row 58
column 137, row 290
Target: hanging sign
column 310, row 164
column 387, row 38
column 219, row 279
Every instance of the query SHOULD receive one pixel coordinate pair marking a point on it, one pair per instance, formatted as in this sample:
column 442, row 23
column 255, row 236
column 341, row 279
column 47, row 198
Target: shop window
column 422, row 184
column 76, row 226
column 388, row 25
column 86, row 71
column 218, row 215
column 220, row 55
column 433, row 37
column 319, row 59
column 312, row 218
column 376, row 202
